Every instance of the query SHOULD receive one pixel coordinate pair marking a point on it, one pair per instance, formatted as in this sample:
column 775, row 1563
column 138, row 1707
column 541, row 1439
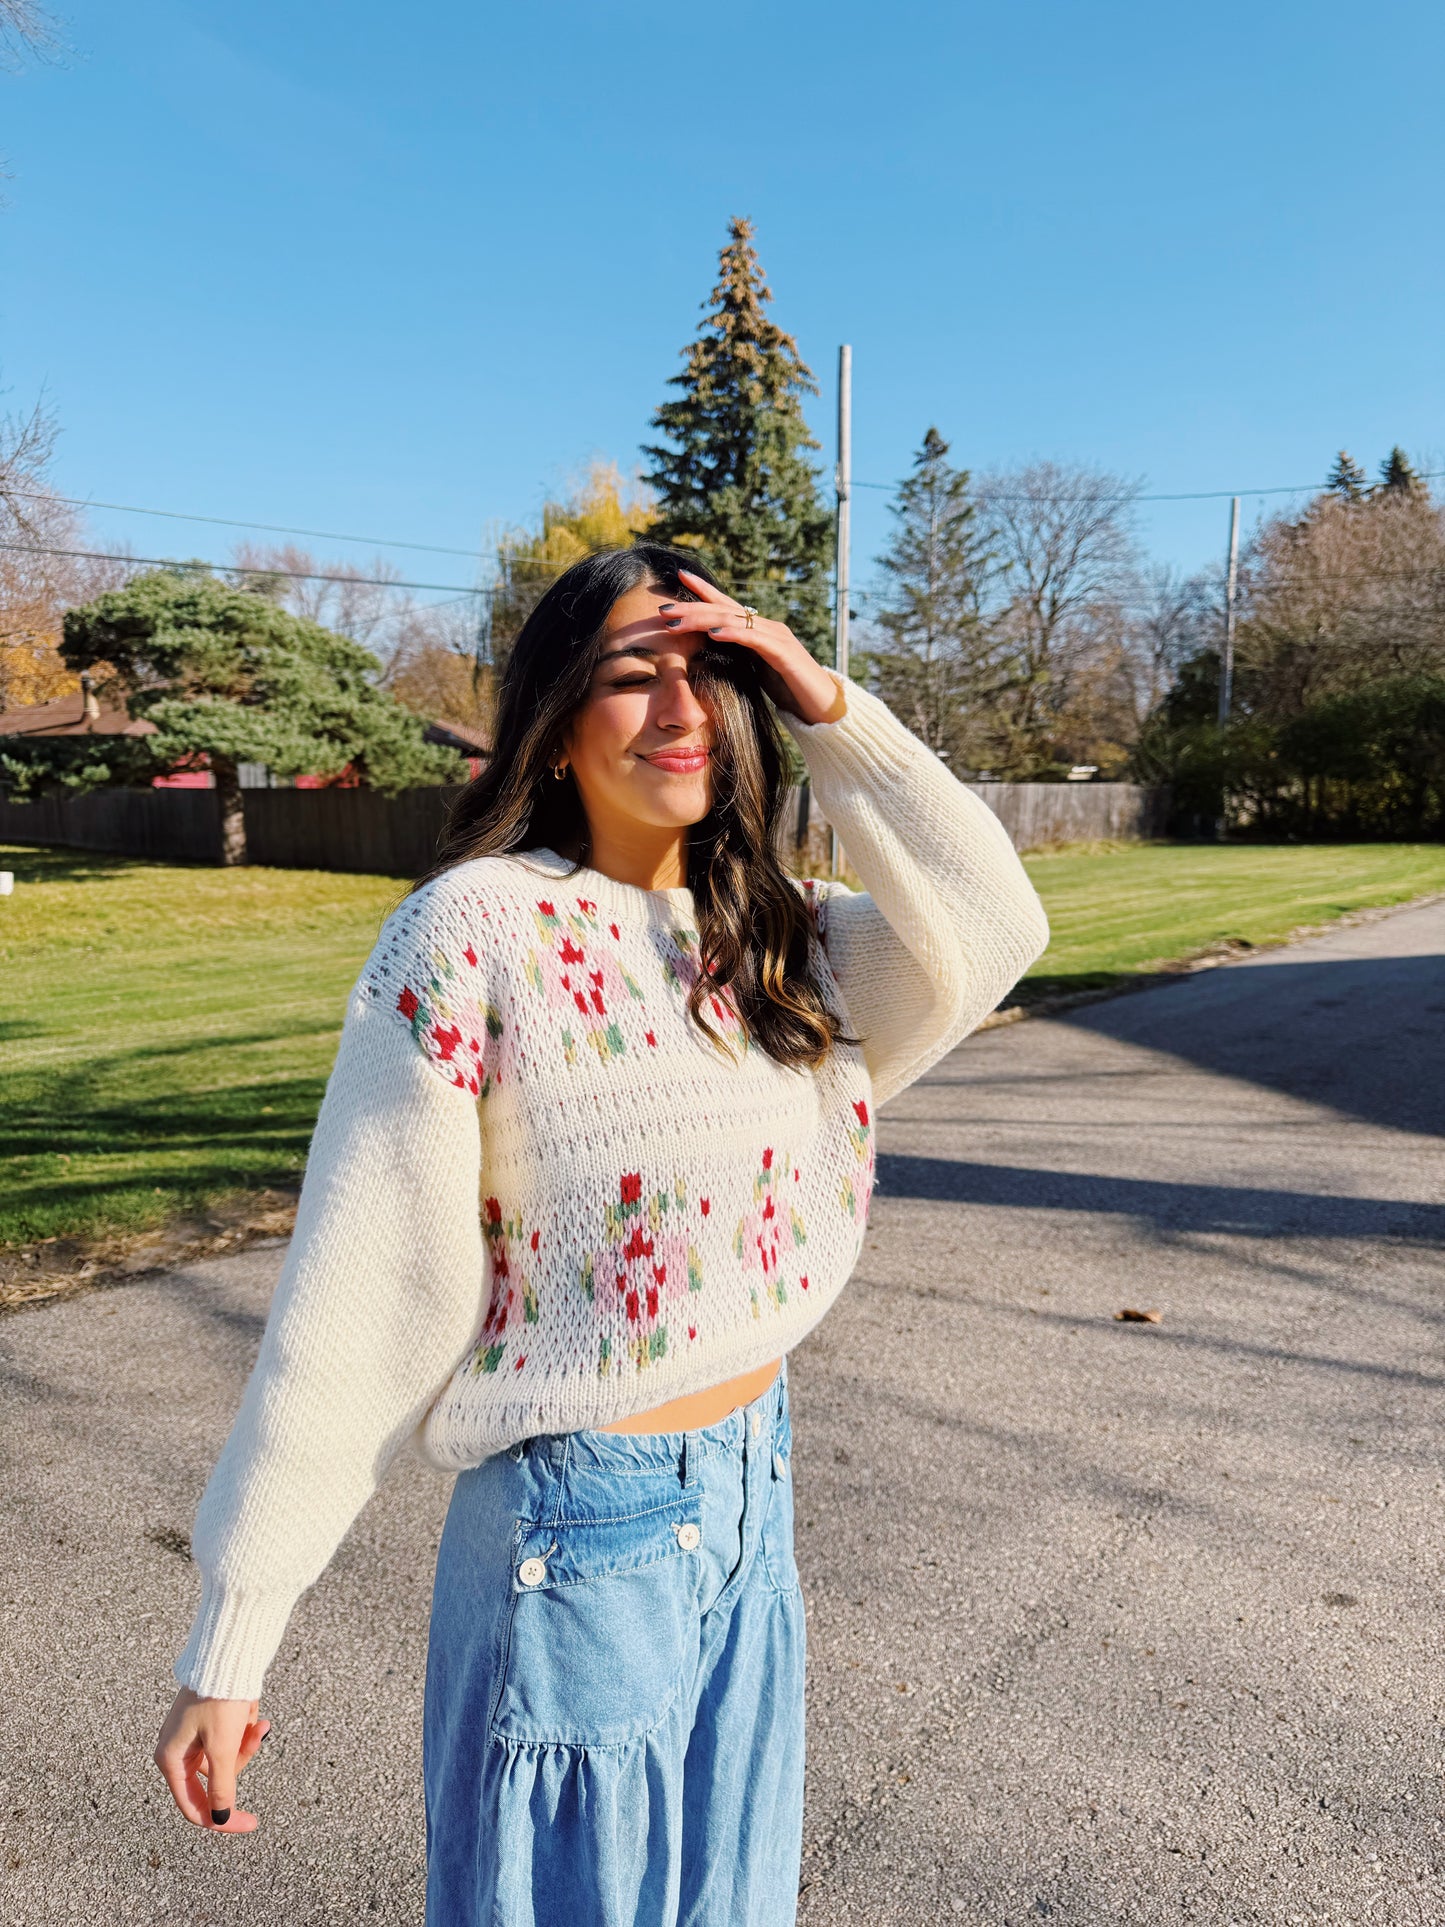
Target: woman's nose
column 680, row 708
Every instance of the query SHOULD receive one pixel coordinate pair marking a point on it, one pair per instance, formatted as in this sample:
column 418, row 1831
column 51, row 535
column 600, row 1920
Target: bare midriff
column 701, row 1408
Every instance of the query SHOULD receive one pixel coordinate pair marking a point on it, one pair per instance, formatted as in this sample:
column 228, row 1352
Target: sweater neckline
column 627, row 899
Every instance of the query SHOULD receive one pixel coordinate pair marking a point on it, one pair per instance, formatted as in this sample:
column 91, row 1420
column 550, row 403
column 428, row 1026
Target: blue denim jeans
column 614, row 1691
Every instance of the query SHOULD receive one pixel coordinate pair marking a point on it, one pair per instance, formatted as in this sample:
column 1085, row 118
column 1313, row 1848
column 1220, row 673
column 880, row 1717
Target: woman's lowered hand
column 203, row 1747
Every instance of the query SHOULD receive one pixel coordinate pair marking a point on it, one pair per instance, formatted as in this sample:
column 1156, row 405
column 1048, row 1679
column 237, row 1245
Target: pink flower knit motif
column 514, row 1295
column 814, row 902
column 647, row 1261
column 771, row 1229
column 458, row 1032
column 577, row 971
column 856, row 1189
column 682, row 966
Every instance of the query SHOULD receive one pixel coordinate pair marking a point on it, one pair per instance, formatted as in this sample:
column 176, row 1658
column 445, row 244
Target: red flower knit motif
column 645, row 1259
column 513, row 1299
column 459, row 1031
column 580, row 975
column 770, row 1232
column 856, row 1190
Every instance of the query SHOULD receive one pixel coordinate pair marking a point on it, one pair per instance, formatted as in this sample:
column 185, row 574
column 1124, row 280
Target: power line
column 462, row 594
column 437, row 548
column 1197, row 495
column 235, row 522
column 305, row 575
column 236, row 568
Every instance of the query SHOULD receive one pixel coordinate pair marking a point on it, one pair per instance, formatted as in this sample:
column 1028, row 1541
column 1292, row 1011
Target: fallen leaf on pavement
column 1130, row 1316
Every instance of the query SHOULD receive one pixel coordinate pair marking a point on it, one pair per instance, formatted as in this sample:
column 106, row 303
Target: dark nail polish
column 666, row 605
column 219, row 1816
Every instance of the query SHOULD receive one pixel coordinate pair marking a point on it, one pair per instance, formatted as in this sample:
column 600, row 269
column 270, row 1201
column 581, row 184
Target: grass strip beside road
column 167, row 1030
column 1129, row 909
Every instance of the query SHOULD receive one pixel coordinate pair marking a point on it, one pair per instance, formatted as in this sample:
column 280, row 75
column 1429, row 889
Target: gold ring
column 749, row 612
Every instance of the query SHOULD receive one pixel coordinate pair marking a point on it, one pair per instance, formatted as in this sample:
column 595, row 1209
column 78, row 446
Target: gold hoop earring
column 559, row 772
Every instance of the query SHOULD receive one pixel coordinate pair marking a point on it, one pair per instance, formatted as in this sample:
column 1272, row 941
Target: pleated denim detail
column 614, row 1726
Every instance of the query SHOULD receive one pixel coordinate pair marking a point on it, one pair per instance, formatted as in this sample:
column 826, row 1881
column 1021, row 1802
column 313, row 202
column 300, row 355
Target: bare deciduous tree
column 40, row 576
column 27, row 443
column 25, row 28
column 1173, row 617
column 1350, row 593
column 1066, row 558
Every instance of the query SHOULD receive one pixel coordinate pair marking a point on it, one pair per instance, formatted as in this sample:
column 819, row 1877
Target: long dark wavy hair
column 754, row 931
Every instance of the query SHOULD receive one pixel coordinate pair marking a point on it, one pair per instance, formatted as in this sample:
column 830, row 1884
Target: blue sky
column 405, row 272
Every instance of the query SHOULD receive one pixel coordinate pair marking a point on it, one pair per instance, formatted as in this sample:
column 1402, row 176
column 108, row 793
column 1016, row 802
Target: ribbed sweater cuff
column 866, row 745
column 233, row 1641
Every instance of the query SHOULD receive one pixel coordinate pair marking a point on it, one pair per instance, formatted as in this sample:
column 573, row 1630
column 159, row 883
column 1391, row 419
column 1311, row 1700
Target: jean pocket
column 602, row 1634
column 779, row 1557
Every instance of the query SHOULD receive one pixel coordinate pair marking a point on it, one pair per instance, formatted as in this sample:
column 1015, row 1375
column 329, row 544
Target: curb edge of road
column 1212, row 957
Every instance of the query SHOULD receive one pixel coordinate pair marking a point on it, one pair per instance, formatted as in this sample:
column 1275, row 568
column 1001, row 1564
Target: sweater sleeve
column 378, row 1299
column 948, row 920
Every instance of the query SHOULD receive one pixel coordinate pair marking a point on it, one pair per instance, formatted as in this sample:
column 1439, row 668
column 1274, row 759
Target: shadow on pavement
column 1362, row 1036
column 1238, row 1209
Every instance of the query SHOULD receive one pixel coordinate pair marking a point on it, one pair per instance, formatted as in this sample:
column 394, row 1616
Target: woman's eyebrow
column 632, row 649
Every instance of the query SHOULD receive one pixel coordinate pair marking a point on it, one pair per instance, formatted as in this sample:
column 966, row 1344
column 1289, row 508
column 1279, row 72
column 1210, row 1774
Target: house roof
column 471, row 742
column 66, row 716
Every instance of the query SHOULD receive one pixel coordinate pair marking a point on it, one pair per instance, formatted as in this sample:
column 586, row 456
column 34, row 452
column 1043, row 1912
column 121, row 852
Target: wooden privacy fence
column 390, row 836
column 1037, row 814
column 361, row 830
column 170, row 825
column 335, row 829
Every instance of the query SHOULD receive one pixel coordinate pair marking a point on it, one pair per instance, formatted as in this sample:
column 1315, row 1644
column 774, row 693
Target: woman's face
column 640, row 746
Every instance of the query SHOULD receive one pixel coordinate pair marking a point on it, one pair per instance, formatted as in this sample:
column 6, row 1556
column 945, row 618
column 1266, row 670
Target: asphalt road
column 1108, row 1623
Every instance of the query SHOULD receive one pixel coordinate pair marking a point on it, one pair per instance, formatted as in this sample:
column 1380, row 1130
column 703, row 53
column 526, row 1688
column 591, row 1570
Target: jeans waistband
column 760, row 1418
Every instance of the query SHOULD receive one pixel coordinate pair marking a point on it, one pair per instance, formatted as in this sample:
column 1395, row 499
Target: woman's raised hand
column 795, row 680
column 214, row 1739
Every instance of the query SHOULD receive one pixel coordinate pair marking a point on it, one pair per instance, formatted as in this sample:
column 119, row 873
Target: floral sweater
column 540, row 1199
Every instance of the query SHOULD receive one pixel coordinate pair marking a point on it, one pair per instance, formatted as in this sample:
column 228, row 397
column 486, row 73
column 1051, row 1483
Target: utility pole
column 841, row 482
column 842, row 479
column 1231, row 585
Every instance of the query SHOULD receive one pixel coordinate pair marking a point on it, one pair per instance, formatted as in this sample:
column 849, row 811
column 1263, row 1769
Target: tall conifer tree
column 936, row 670
column 1398, row 475
column 736, row 483
column 1347, row 478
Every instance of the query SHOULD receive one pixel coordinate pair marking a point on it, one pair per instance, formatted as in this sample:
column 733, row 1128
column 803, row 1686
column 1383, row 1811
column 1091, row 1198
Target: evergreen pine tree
column 736, row 483
column 937, row 673
column 1347, row 478
column 226, row 678
column 1397, row 474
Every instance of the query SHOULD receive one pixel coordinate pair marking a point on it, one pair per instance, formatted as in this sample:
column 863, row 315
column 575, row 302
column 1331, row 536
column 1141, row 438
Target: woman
column 610, row 1017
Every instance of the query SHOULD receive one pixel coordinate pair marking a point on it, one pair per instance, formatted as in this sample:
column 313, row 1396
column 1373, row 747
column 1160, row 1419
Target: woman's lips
column 678, row 762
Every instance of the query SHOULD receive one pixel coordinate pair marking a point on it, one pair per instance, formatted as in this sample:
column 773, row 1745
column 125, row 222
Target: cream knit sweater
column 654, row 1216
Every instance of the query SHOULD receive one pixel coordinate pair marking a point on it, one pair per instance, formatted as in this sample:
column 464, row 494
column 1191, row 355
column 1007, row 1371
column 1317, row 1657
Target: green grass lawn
column 166, row 1031
column 1131, row 907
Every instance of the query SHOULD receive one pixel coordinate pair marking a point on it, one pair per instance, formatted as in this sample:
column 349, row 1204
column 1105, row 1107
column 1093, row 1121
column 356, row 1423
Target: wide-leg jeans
column 614, row 1694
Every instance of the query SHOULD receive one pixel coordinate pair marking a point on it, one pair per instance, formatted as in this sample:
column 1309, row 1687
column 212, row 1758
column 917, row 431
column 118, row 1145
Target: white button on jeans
column 688, row 1536
column 532, row 1572
column 757, row 1423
